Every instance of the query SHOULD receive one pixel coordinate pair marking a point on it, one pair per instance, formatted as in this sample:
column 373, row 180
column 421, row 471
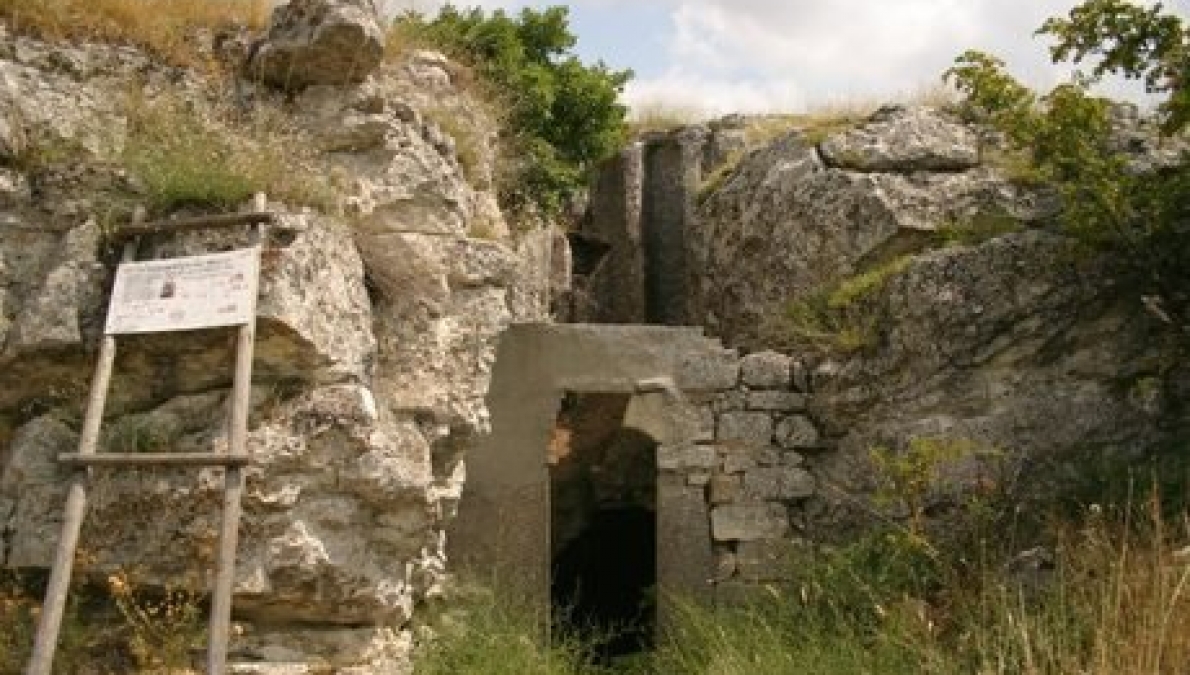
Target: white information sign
column 185, row 293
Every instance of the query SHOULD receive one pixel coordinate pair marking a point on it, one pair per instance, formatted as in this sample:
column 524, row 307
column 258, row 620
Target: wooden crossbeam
column 234, row 459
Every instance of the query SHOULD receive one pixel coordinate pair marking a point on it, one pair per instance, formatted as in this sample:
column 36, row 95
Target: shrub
column 560, row 115
column 1109, row 204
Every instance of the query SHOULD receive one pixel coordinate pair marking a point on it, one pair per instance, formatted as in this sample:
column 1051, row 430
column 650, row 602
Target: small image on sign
column 185, row 293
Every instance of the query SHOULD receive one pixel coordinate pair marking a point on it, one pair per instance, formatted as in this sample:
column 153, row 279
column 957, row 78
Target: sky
column 722, row 56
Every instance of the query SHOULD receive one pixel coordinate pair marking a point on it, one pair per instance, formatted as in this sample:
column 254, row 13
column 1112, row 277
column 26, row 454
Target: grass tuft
column 495, row 634
column 187, row 157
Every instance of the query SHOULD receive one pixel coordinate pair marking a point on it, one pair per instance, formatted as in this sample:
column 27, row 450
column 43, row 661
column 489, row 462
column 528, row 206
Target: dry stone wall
column 756, row 463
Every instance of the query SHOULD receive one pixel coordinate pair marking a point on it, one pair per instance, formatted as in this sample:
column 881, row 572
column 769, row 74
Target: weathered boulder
column 319, row 42
column 1019, row 350
column 785, row 224
column 897, row 139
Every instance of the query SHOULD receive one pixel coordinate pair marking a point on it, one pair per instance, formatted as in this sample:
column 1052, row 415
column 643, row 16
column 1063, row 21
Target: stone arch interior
column 603, row 486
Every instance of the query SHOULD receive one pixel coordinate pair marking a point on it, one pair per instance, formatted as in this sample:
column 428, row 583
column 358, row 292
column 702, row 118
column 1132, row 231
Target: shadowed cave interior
column 603, row 526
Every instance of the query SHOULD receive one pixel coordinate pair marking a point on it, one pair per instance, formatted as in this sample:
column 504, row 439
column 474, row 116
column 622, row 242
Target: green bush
column 561, row 116
column 1139, row 217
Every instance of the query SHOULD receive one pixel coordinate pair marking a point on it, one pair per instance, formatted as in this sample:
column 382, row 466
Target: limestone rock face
column 790, row 220
column 896, row 138
column 1011, row 343
column 377, row 321
column 1018, row 348
column 319, row 42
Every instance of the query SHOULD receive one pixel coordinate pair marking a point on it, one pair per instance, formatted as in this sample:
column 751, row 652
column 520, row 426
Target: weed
column 719, row 176
column 908, row 477
column 183, row 160
column 137, row 433
column 659, row 116
column 18, row 621
column 835, row 317
column 161, row 628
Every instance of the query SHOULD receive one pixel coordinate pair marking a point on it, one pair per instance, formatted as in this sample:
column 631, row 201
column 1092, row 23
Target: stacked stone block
column 750, row 458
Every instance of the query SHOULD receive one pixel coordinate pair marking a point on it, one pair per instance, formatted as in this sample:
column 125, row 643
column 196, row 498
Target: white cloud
column 778, row 54
column 700, row 95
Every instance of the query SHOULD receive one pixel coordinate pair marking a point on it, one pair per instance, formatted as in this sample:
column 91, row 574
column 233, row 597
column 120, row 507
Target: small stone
column 797, row 431
column 778, row 401
column 706, row 425
column 765, row 370
column 686, row 457
column 767, row 455
column 792, row 458
column 730, row 401
column 725, row 489
column 753, row 428
column 801, row 377
column 778, row 483
column 709, row 374
column 725, row 564
column 748, row 522
column 737, row 458
column 698, row 478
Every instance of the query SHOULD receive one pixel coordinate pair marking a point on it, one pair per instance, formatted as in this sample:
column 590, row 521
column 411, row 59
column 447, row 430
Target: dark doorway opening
column 603, row 526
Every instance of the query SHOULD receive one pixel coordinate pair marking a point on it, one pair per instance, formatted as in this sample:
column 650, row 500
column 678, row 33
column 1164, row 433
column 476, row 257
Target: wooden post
column 233, row 488
column 76, row 505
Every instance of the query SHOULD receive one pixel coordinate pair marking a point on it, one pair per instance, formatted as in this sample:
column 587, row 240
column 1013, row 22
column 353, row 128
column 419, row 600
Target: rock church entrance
column 603, row 525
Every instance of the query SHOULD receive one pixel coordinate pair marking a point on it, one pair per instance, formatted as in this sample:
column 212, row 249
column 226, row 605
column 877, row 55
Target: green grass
column 496, row 634
column 853, row 289
column 185, row 156
column 834, row 317
column 978, row 228
column 1116, row 603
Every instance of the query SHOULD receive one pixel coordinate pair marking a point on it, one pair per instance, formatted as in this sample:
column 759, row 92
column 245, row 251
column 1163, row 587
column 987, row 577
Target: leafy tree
column 562, row 115
column 1142, row 216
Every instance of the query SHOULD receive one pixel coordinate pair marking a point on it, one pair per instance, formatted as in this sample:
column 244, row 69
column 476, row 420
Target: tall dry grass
column 166, row 28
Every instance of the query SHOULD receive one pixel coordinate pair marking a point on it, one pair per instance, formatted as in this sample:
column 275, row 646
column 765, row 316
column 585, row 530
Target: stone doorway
column 655, row 380
column 603, row 525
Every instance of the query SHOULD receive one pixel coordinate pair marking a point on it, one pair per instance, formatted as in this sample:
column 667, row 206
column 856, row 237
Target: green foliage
column 561, row 116
column 1132, row 40
column 907, row 477
column 138, row 433
column 1116, row 601
column 853, row 289
column 1142, row 218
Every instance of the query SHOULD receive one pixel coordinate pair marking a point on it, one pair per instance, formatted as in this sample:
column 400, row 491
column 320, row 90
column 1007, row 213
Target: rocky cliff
column 378, row 312
column 921, row 280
